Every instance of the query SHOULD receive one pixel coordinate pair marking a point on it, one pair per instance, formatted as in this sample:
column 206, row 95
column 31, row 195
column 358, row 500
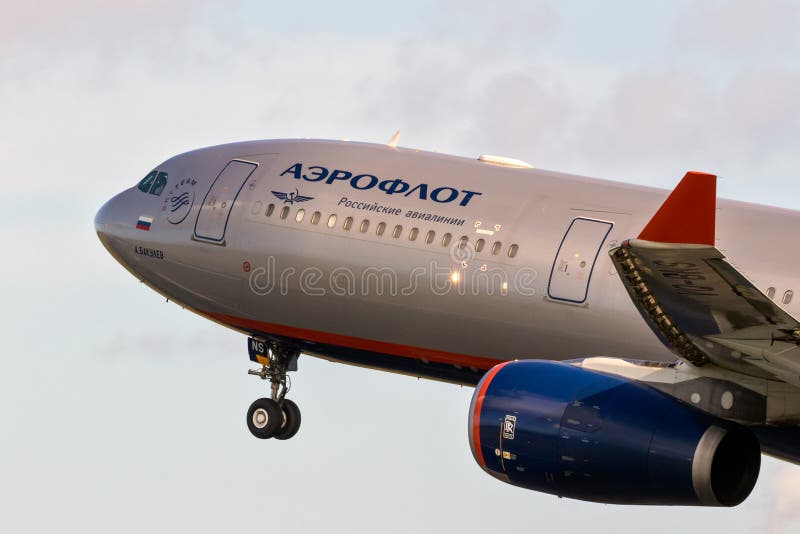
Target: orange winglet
column 688, row 215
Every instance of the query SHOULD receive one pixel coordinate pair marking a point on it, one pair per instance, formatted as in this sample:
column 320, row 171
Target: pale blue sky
column 123, row 413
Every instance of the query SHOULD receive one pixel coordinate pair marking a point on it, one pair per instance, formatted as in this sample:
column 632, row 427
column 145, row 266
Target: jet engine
column 559, row 429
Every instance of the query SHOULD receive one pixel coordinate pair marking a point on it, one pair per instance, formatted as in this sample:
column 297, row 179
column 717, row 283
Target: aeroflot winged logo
column 179, row 200
column 291, row 198
column 392, row 186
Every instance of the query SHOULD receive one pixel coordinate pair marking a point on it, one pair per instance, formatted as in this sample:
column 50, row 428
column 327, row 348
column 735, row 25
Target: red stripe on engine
column 476, row 415
column 371, row 345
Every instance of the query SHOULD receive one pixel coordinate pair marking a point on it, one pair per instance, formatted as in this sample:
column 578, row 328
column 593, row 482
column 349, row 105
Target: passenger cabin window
column 285, row 212
column 154, row 183
column 770, row 292
column 397, row 231
column 412, row 235
column 512, row 250
column 315, row 217
column 364, row 226
column 300, row 214
column 348, row 223
column 462, row 242
column 787, row 296
column 496, row 248
column 429, row 237
column 479, row 245
column 380, row 228
column 446, row 239
column 270, row 209
column 331, row 221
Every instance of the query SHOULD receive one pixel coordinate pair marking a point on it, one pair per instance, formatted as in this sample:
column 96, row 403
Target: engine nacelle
column 560, row 429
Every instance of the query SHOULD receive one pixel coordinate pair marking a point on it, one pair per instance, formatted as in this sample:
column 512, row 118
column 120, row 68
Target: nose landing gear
column 275, row 417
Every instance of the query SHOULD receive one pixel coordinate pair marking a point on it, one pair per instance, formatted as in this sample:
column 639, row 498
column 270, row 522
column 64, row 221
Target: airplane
column 627, row 345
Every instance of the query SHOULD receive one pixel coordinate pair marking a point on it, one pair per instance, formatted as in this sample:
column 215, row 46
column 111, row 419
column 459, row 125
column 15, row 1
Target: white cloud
column 761, row 109
column 496, row 83
column 651, row 114
column 83, row 22
column 784, row 516
column 736, row 27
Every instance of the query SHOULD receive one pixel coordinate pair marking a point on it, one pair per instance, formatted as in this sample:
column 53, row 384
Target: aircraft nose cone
column 102, row 218
column 112, row 218
column 113, row 225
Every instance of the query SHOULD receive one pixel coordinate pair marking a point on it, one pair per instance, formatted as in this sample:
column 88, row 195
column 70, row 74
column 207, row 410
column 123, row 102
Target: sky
column 121, row 412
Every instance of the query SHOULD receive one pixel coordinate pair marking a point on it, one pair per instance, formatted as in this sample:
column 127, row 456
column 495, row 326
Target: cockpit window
column 154, row 183
column 159, row 184
column 147, row 182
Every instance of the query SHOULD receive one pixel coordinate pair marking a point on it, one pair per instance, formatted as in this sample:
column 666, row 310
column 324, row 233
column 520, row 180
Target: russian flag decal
column 144, row 223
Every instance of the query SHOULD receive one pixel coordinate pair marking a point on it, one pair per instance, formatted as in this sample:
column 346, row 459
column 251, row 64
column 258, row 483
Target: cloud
column 90, row 21
column 733, row 27
column 760, row 106
column 516, row 25
column 516, row 112
column 652, row 114
column 784, row 515
column 496, row 83
column 652, row 124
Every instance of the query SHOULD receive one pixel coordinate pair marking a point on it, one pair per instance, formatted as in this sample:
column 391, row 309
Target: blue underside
column 389, row 362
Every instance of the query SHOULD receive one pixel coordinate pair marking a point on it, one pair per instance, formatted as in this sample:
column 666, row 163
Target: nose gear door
column 212, row 219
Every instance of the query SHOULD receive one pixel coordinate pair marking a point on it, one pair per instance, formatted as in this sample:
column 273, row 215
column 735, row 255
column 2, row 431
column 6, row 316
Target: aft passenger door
column 212, row 219
column 576, row 258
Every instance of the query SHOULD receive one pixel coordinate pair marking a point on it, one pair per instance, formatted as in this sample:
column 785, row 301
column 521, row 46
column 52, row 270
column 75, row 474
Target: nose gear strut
column 275, row 417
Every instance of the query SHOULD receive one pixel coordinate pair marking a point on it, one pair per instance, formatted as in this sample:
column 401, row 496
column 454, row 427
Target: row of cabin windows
column 787, row 295
column 397, row 231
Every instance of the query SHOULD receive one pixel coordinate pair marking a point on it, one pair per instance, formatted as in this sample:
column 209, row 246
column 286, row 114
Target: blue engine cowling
column 560, row 429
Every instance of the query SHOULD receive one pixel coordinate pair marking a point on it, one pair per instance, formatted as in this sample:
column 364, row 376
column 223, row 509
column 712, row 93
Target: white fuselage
column 540, row 286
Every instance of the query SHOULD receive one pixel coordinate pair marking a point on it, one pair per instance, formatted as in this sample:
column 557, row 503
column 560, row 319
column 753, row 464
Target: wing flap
column 698, row 304
column 704, row 310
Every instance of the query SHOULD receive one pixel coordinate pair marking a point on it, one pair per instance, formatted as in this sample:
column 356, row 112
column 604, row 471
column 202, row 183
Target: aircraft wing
column 700, row 305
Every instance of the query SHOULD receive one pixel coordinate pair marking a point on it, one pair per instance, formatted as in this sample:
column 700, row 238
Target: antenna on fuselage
column 393, row 141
